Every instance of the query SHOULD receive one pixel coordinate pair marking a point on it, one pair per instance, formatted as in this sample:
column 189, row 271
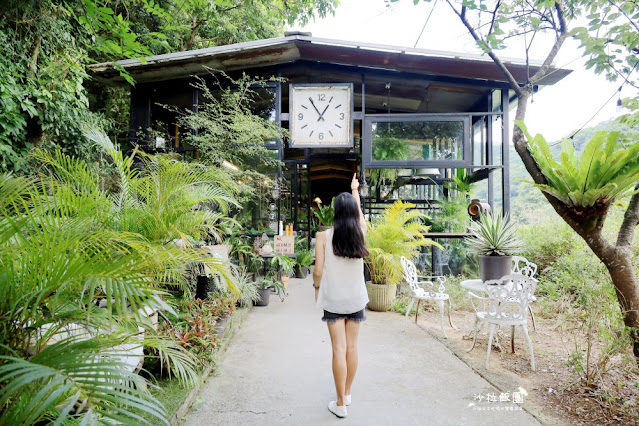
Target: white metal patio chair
column 444, row 258
column 425, row 290
column 506, row 304
column 523, row 266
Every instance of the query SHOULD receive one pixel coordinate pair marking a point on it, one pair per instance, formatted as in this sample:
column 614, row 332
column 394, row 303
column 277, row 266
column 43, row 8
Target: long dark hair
column 348, row 238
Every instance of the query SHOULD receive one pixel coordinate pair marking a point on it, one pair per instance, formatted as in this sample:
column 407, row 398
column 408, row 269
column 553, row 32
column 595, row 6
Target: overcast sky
column 556, row 111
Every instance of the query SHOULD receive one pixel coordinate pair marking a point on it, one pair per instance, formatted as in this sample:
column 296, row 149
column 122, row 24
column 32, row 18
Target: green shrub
column 547, row 240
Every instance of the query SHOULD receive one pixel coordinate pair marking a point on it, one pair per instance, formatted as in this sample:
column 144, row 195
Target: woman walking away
column 340, row 290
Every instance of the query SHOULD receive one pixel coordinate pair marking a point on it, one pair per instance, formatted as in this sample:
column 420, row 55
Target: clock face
column 320, row 116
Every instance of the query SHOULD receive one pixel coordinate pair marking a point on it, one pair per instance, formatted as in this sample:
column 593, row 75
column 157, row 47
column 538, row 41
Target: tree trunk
column 617, row 259
column 627, row 290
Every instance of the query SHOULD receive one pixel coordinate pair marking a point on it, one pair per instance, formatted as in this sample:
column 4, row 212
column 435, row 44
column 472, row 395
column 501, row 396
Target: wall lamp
column 478, row 207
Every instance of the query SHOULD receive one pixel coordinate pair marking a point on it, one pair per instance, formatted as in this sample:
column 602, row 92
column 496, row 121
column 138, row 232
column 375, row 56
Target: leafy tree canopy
column 47, row 44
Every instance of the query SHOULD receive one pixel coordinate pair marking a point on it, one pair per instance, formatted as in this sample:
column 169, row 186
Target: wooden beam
column 331, row 176
column 330, row 167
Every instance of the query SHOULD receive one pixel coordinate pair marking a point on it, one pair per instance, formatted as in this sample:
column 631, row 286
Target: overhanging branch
column 561, row 37
column 462, row 16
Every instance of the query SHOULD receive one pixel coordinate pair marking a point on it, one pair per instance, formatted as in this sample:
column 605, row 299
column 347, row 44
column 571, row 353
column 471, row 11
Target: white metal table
column 474, row 285
column 477, row 285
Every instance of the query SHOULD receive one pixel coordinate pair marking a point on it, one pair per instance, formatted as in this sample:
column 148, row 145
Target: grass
column 171, row 394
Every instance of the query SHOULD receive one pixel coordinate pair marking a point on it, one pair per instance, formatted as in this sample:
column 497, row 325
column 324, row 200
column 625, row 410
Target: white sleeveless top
column 342, row 289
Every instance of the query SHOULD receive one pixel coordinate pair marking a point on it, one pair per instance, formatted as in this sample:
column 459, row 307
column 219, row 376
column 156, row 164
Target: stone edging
column 232, row 325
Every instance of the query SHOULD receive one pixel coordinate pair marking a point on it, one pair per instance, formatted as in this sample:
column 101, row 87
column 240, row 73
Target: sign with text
column 284, row 244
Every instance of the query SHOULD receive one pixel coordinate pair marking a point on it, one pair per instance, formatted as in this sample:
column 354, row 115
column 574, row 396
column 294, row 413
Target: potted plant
column 494, row 240
column 398, row 232
column 324, row 215
column 248, row 289
column 304, row 259
column 284, row 265
column 264, row 291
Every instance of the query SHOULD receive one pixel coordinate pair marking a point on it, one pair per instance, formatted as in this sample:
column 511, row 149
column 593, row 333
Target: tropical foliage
column 58, row 265
column 397, row 232
column 81, row 264
column 604, row 172
column 325, row 214
column 494, row 235
column 171, row 199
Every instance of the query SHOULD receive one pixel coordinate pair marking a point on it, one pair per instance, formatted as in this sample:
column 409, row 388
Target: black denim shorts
column 358, row 316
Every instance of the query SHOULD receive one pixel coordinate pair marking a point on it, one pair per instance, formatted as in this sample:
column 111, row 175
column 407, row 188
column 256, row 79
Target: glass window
column 398, row 141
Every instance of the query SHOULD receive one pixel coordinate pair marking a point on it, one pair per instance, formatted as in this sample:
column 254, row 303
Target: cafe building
column 405, row 120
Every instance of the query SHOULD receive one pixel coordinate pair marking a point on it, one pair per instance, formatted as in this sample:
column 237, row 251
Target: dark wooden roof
column 433, row 65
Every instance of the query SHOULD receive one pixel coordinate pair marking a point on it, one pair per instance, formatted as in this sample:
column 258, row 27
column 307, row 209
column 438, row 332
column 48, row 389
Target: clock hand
column 313, row 103
column 321, row 117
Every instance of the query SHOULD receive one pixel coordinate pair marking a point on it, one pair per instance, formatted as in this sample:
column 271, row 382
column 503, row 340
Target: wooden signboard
column 284, row 244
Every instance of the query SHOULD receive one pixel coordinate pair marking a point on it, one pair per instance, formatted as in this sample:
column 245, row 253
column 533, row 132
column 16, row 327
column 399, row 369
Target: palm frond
column 75, row 379
column 398, row 232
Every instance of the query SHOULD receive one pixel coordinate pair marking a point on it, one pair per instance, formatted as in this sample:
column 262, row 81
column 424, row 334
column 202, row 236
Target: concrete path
column 277, row 371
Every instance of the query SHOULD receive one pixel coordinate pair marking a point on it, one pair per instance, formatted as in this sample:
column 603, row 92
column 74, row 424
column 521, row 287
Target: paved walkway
column 277, row 371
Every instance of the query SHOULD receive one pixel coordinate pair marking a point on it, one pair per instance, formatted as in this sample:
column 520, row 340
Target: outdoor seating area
column 505, row 301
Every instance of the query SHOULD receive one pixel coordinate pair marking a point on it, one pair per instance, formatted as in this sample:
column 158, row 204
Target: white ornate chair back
column 523, row 266
column 509, row 297
column 410, row 274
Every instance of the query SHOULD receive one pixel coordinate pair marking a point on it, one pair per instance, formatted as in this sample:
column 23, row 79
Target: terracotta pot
column 381, row 296
column 494, row 267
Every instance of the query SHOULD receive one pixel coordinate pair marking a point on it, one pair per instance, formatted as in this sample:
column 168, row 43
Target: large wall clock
column 320, row 115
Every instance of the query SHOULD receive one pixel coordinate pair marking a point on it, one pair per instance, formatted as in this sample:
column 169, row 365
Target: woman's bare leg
column 352, row 333
column 337, row 330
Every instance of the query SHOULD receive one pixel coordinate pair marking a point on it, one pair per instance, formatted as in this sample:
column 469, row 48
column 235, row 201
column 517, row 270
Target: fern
column 603, row 174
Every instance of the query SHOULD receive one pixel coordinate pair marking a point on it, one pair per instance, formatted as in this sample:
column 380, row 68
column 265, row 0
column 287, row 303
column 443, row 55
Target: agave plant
column 494, row 235
column 603, row 174
column 398, row 232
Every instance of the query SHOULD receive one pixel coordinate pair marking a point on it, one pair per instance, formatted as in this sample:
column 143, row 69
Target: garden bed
column 176, row 397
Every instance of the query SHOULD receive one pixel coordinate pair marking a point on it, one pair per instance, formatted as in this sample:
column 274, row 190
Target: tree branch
column 492, row 21
column 630, row 221
column 513, row 83
column 33, row 65
column 563, row 33
column 633, row 23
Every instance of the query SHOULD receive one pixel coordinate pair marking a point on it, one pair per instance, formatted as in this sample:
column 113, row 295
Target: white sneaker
column 347, row 400
column 338, row 410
